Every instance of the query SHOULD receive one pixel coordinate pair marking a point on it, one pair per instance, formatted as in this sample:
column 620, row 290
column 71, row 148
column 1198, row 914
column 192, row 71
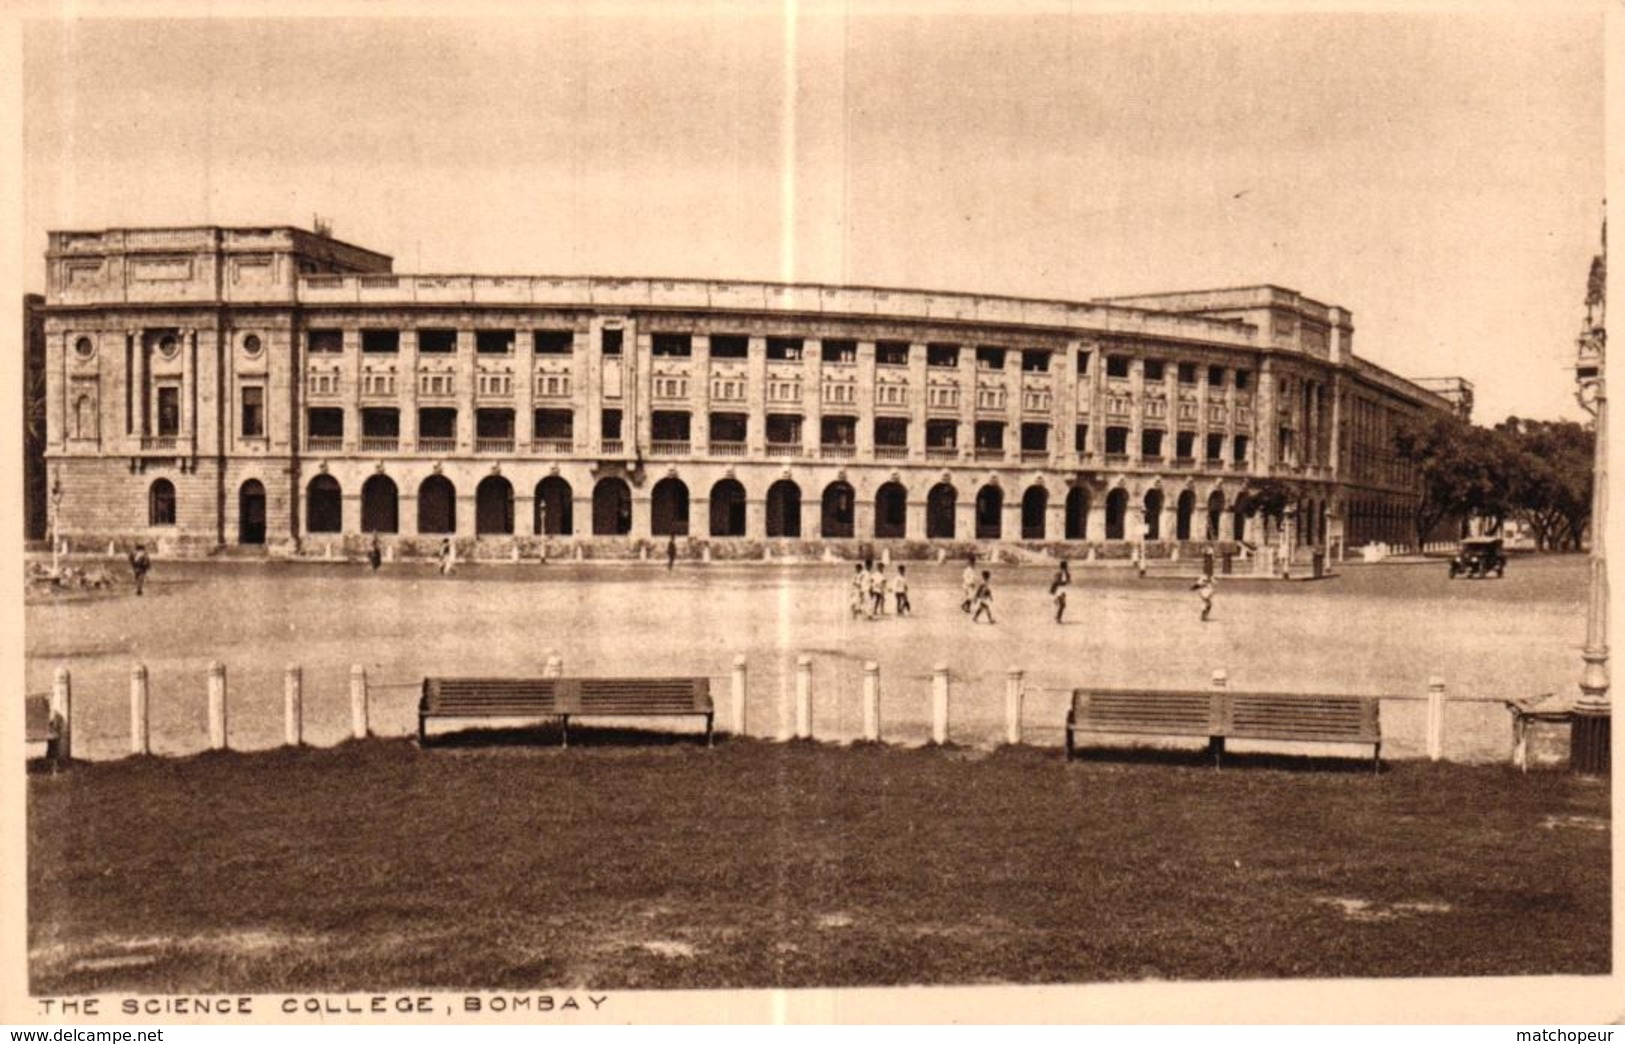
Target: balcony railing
column 380, row 443
column 434, row 445
column 669, row 447
column 165, row 443
column 837, row 450
column 1240, row 465
column 1034, row 456
column 494, row 445
column 324, row 443
column 891, row 452
column 784, row 449
column 552, row 445
column 942, row 453
column 613, row 447
column 727, row 449
column 1184, row 462
column 1116, row 458
column 990, row 453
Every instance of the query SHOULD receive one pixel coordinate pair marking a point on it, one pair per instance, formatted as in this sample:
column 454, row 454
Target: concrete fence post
column 554, row 667
column 871, row 702
column 803, row 697
column 1014, row 692
column 62, row 710
column 140, row 742
column 217, row 706
column 939, row 704
column 1435, row 718
column 358, row 701
column 293, row 705
column 736, row 685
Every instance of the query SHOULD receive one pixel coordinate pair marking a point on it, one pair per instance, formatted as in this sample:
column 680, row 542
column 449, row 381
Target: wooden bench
column 1220, row 714
column 564, row 698
column 41, row 725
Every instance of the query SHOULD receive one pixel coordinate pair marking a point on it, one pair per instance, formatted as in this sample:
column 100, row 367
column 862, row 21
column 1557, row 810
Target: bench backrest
column 1222, row 712
column 40, row 724
column 1147, row 710
column 1328, row 718
column 527, row 697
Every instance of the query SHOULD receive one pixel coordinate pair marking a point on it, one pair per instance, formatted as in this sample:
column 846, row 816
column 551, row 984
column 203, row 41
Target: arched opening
column 1215, row 514
column 1034, row 505
column 989, row 512
column 611, row 508
column 668, row 508
column 891, row 511
column 728, row 509
column 1077, row 514
column 1116, row 513
column 835, row 521
column 437, row 505
column 1153, row 514
column 554, row 508
column 1238, row 522
column 251, row 509
column 161, row 503
column 84, row 413
column 940, row 506
column 324, row 507
column 1184, row 511
column 493, row 506
column 784, row 509
column 380, row 505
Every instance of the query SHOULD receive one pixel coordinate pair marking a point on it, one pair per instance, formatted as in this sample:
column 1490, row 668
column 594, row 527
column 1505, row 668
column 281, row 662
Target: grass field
column 1375, row 630
column 375, row 866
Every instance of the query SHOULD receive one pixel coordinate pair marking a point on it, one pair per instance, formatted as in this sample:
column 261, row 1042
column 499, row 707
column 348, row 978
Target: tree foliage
column 1551, row 479
column 1462, row 470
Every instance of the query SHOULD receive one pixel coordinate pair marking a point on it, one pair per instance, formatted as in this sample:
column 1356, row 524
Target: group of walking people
column 871, row 585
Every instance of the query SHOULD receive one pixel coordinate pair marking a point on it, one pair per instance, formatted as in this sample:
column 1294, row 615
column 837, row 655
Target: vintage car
column 1479, row 557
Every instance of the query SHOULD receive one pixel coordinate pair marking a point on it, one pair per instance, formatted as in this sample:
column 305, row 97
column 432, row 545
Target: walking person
column 671, row 552
column 375, row 554
column 446, row 555
column 899, row 587
column 968, row 582
column 878, row 584
column 984, row 598
column 1204, row 590
column 1057, row 590
column 860, row 592
column 140, row 565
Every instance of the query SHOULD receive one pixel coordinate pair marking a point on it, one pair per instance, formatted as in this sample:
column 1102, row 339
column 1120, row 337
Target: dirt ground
column 1373, row 630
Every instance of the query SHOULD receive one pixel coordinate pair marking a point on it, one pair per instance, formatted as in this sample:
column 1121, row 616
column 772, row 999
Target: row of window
column 440, row 340
column 327, row 423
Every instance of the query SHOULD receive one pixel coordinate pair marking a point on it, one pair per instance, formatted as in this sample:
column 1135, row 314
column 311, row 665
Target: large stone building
column 245, row 386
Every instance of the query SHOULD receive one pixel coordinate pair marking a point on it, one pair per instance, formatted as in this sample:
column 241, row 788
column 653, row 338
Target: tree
column 1461, row 470
column 1549, row 488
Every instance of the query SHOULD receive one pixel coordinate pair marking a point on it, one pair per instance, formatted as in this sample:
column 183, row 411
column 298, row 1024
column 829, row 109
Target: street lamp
column 1589, row 739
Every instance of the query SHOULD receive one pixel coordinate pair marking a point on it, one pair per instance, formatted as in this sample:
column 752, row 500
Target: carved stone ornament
column 437, row 467
column 322, row 467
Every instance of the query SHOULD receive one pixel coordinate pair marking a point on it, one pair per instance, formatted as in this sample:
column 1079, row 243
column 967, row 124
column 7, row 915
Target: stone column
column 465, row 506
column 812, row 393
column 407, row 390
column 1095, row 521
column 866, row 402
column 967, row 401
column 1013, row 412
column 918, row 381
column 524, row 392
column 1064, row 405
column 756, row 399
column 188, row 427
column 965, row 513
column 466, row 367
column 915, row 519
column 1264, row 419
column 812, row 510
column 863, row 516
column 1055, row 515
column 139, row 396
column 755, row 518
column 699, row 397
column 642, row 511
column 352, row 398
column 1010, row 515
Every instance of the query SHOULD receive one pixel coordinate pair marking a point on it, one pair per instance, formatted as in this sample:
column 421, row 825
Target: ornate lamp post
column 1589, row 740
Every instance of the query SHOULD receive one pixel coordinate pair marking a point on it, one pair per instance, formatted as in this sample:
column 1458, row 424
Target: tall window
column 161, row 503
column 253, row 412
column 169, row 410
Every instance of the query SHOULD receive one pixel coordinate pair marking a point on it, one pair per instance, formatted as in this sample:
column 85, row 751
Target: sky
column 1440, row 175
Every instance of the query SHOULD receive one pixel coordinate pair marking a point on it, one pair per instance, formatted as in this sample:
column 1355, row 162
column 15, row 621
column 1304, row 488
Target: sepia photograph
column 631, row 512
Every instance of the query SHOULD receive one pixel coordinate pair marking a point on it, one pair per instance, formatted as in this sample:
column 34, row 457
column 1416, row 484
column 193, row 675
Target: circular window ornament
column 252, row 345
column 168, row 346
column 84, row 348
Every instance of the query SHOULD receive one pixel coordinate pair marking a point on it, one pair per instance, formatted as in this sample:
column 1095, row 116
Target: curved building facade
column 269, row 386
